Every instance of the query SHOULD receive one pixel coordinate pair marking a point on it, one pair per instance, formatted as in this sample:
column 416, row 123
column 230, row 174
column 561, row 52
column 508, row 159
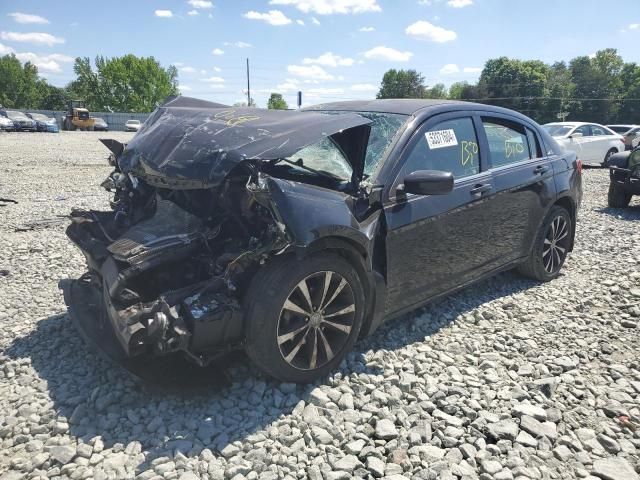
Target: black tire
column 268, row 323
column 547, row 258
column 617, row 198
column 608, row 155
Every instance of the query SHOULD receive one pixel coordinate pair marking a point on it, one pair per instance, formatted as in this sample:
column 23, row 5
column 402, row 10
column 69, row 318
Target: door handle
column 540, row 169
column 480, row 188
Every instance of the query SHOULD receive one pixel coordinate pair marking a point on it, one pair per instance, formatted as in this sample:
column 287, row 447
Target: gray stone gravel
column 508, row 379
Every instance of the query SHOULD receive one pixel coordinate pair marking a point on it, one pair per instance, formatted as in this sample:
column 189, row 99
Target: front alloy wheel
column 302, row 316
column 316, row 320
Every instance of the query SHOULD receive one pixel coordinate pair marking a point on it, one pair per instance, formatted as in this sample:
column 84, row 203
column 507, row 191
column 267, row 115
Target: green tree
column 18, row 83
column 598, row 85
column 276, row 102
column 402, row 84
column 516, row 84
column 437, row 91
column 126, row 84
column 629, row 107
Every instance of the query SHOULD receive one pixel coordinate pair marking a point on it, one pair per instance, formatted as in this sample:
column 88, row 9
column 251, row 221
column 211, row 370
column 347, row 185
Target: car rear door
column 523, row 182
column 437, row 242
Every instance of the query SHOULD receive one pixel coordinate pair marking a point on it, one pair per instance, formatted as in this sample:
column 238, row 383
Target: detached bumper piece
column 118, row 302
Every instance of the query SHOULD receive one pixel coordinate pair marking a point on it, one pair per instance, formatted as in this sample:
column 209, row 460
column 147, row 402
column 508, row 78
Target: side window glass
column 450, row 146
column 508, row 141
column 584, row 130
column 597, row 131
column 534, row 145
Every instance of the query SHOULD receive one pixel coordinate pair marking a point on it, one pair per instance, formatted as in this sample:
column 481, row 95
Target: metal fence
column 115, row 120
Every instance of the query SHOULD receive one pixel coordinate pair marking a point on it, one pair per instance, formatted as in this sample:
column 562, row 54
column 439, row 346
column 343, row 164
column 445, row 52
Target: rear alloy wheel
column 551, row 246
column 605, row 162
column 303, row 317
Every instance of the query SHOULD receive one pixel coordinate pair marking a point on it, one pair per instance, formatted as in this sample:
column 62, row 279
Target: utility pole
column 248, row 86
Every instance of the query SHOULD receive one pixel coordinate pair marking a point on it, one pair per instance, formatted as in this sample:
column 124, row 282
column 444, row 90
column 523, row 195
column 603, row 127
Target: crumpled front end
column 169, row 267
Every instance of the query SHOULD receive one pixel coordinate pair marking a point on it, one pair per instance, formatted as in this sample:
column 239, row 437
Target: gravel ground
column 508, row 379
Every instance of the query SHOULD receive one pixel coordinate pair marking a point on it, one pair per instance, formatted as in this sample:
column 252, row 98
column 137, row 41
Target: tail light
column 579, row 166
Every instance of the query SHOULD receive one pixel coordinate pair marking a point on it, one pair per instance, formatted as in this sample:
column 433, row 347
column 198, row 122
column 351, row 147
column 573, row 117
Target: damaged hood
column 191, row 143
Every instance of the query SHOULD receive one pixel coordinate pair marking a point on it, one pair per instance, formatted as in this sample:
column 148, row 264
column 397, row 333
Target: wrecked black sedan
column 292, row 234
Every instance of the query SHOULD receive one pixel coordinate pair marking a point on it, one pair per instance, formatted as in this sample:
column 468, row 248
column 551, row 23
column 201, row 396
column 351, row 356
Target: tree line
column 120, row 84
column 601, row 88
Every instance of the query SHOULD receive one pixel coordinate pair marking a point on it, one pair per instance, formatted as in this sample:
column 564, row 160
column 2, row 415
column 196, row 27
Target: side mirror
column 576, row 135
column 428, row 182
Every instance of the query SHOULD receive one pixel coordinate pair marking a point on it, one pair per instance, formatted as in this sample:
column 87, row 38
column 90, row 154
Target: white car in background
column 132, row 126
column 593, row 143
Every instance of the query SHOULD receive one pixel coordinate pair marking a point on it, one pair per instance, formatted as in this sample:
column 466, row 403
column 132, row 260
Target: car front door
column 523, row 182
column 580, row 144
column 437, row 242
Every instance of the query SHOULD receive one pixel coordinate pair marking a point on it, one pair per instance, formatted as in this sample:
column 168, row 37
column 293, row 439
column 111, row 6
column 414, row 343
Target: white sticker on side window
column 441, row 138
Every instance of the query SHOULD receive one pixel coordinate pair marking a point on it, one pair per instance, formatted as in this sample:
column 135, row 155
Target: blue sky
column 329, row 49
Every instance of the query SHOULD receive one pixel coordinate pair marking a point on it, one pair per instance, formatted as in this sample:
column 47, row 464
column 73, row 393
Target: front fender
column 310, row 213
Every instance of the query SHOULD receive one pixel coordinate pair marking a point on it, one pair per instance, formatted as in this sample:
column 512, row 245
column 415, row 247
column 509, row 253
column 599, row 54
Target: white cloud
column 217, row 51
column 238, row 44
column 193, row 12
column 164, row 13
column 309, row 71
column 185, row 88
column 272, row 17
column 212, row 80
column 319, row 92
column 287, row 86
column 217, row 69
column 187, row 70
column 472, row 69
column 203, row 72
column 449, row 69
column 459, row 3
column 364, row 87
column 300, row 22
column 634, row 26
column 328, row 59
column 33, row 37
column 45, row 63
column 200, row 3
column 315, row 21
column 28, row 18
column 423, row 30
column 329, row 7
column 366, row 29
column 386, row 53
column 5, row 50
column 424, row 2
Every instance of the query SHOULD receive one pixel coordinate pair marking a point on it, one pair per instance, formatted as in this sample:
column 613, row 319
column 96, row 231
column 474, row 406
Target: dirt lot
column 508, row 379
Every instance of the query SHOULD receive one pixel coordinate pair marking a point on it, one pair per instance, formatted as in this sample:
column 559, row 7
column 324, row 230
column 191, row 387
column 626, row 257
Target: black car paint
column 621, row 175
column 438, row 244
column 411, row 249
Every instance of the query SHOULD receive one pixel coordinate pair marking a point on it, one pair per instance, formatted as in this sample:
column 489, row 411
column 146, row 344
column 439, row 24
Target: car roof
column 569, row 124
column 404, row 106
column 625, row 125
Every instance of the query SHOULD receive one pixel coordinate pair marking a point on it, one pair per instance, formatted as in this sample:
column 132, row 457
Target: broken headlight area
column 172, row 265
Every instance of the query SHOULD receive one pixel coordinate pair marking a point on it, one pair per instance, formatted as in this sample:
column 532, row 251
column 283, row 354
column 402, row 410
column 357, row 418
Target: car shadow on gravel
column 631, row 212
column 203, row 408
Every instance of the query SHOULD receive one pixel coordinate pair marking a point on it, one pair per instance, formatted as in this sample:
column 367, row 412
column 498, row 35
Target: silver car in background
column 593, row 143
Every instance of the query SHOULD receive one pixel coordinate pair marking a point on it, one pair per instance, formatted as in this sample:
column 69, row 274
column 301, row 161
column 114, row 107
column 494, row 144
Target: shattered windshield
column 324, row 158
column 384, row 127
column 383, row 130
